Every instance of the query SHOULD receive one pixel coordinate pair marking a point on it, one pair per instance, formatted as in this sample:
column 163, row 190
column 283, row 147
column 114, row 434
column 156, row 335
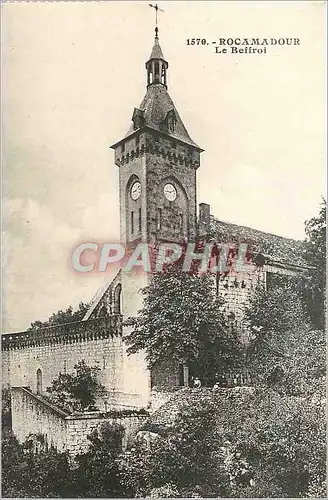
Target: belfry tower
column 157, row 161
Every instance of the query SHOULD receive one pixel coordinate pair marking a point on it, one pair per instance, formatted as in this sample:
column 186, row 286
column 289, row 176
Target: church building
column 157, row 164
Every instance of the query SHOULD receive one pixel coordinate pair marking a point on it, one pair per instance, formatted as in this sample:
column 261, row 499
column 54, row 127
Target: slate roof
column 277, row 248
column 155, row 106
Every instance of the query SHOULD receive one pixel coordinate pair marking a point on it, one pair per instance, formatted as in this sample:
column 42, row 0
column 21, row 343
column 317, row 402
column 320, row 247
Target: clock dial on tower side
column 135, row 190
column 170, row 192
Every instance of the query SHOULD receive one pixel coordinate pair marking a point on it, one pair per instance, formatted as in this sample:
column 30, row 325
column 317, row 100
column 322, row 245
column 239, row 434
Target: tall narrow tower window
column 140, row 222
column 132, row 222
column 159, row 218
column 181, row 222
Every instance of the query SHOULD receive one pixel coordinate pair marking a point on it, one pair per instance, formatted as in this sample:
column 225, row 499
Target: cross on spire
column 156, row 17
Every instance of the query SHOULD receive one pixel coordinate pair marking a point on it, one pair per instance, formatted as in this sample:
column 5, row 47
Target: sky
column 73, row 73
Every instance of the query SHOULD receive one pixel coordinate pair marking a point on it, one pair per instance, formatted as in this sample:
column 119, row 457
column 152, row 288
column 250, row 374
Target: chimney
column 204, row 219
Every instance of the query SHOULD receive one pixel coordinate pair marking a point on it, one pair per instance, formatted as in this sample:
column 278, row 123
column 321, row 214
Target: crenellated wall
column 35, row 358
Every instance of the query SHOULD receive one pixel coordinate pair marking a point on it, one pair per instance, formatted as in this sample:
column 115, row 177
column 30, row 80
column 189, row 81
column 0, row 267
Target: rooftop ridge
column 254, row 229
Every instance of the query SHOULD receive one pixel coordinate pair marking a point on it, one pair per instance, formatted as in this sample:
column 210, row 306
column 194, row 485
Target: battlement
column 66, row 333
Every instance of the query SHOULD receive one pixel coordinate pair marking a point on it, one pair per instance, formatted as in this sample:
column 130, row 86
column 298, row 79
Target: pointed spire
column 157, row 51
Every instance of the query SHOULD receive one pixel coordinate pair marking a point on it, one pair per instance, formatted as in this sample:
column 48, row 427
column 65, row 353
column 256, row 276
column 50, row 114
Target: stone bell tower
column 157, row 163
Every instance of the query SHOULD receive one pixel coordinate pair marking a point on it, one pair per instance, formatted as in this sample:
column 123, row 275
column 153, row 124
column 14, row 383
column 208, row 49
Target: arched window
column 170, row 121
column 117, row 299
column 39, row 382
column 156, row 71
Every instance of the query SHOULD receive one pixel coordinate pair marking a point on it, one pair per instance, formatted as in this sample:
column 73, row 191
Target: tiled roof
column 277, row 248
column 155, row 105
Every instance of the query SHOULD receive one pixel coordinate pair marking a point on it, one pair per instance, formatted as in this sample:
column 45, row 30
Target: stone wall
column 156, row 160
column 33, row 416
column 79, row 427
column 238, row 287
column 21, row 366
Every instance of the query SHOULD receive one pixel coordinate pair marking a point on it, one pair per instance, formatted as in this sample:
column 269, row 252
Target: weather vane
column 156, row 9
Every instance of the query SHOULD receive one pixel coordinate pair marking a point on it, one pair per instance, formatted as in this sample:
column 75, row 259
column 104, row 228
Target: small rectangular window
column 140, row 220
column 132, row 222
column 174, row 144
column 137, row 139
column 123, row 147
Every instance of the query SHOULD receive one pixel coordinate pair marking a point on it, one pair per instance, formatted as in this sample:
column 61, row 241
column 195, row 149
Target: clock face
column 135, row 190
column 170, row 192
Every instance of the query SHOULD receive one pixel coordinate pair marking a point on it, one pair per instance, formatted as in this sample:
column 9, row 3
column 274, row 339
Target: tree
column 253, row 443
column 61, row 317
column 98, row 471
column 315, row 276
column 28, row 474
column 76, row 391
column 181, row 321
column 284, row 350
column 6, row 409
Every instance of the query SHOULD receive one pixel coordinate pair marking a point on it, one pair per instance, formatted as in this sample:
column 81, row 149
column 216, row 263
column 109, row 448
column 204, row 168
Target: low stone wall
column 32, row 415
column 79, row 427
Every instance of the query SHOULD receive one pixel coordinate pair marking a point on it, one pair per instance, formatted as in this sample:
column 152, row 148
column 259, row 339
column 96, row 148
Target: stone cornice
column 67, row 333
column 157, row 149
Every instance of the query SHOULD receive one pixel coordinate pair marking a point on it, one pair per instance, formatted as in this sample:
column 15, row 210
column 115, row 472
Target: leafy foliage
column 235, row 443
column 315, row 276
column 6, row 409
column 98, row 471
column 76, row 391
column 284, row 350
column 181, row 321
column 61, row 317
column 28, row 474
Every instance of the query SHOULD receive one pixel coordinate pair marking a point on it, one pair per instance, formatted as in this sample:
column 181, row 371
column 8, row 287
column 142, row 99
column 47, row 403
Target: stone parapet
column 66, row 333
